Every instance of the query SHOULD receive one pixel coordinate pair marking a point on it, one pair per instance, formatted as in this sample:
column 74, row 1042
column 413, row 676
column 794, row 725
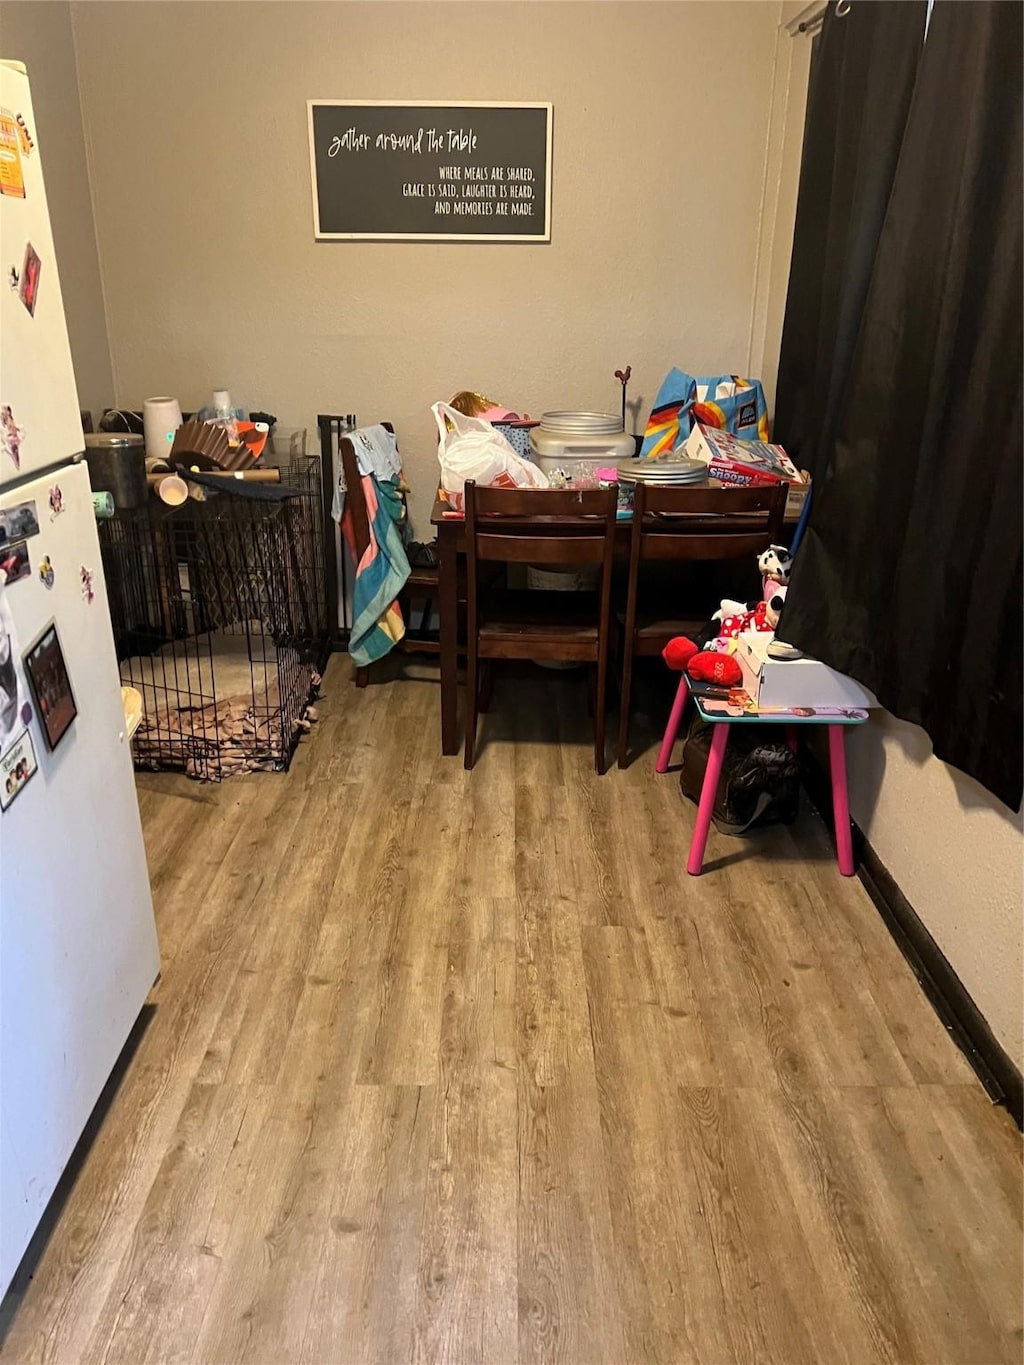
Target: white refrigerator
column 78, row 945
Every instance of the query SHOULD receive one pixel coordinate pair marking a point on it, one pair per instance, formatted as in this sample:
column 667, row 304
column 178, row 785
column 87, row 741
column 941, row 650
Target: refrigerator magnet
column 24, row 136
column 14, row 564
column 56, row 501
column 19, row 522
column 11, row 435
column 48, row 679
column 17, row 766
column 46, row 574
column 28, row 288
column 88, row 591
column 12, row 176
column 11, row 693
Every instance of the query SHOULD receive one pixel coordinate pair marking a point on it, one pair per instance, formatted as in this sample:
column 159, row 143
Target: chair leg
column 472, row 704
column 708, row 792
column 622, row 758
column 362, row 676
column 840, row 798
column 672, row 728
column 600, row 702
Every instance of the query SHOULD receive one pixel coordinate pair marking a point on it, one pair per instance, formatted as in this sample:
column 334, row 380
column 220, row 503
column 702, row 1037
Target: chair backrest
column 356, row 502
column 706, row 523
column 539, row 525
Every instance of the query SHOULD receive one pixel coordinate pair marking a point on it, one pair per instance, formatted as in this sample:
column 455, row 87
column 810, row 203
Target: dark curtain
column 858, row 98
column 909, row 575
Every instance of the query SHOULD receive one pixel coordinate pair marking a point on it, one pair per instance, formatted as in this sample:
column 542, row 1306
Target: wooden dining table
column 450, row 528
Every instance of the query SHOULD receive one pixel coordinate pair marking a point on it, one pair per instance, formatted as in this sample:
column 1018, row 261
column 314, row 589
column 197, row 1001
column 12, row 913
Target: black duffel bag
column 760, row 781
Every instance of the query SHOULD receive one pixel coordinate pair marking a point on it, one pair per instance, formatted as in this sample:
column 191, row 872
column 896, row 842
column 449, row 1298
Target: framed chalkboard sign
column 391, row 170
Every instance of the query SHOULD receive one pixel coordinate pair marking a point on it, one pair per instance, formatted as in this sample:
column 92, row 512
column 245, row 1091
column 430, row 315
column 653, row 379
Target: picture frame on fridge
column 50, row 685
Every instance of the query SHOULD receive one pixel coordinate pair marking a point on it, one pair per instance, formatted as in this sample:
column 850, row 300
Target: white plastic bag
column 470, row 448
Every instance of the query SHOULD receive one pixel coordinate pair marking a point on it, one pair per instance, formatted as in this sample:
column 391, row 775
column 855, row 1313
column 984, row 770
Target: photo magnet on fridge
column 11, row 435
column 14, row 563
column 47, row 675
column 12, row 695
column 19, row 521
column 28, row 288
column 17, row 766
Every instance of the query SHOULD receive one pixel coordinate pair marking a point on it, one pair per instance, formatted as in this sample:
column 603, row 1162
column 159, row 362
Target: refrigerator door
column 40, row 424
column 78, row 947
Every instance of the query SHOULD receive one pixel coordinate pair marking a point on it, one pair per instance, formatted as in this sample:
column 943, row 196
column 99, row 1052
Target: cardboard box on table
column 732, row 460
column 794, row 682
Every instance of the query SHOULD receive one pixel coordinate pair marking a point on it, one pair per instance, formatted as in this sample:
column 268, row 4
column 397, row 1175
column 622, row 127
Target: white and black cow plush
column 775, row 563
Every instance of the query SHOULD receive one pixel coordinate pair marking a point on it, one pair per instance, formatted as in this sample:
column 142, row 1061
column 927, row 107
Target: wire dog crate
column 220, row 623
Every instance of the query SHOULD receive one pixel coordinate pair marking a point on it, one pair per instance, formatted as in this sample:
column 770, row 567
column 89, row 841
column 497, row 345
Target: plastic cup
column 172, row 490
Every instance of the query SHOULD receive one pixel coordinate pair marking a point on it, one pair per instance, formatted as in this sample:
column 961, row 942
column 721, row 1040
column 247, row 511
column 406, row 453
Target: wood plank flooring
column 464, row 1068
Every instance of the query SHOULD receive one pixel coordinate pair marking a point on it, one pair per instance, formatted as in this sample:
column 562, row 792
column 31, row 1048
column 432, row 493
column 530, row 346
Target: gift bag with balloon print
column 727, row 402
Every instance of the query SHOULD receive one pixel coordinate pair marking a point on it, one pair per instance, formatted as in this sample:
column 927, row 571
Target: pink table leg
column 672, row 728
column 793, row 739
column 840, row 798
column 708, row 792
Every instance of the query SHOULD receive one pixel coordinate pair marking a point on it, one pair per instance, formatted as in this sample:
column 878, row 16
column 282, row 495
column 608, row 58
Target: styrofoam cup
column 172, row 490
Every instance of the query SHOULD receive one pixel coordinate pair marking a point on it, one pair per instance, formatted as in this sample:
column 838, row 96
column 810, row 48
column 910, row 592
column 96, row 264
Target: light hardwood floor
column 464, row 1068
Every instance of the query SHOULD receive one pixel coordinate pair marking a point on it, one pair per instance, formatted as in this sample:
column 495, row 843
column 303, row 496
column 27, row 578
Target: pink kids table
column 833, row 718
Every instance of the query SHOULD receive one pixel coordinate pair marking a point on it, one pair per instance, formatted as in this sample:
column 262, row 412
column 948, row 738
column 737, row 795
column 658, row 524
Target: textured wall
column 40, row 36
column 955, row 853
column 200, row 174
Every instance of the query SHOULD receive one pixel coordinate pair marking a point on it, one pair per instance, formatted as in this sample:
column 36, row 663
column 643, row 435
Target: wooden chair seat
column 540, row 625
column 653, row 635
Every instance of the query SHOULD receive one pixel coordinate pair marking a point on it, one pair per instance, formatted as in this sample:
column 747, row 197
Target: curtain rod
column 813, row 24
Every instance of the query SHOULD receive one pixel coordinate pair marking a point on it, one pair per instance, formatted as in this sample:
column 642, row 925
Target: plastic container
column 223, row 414
column 574, row 445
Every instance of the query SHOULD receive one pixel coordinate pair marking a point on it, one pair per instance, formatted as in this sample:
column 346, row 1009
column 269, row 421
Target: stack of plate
column 667, row 471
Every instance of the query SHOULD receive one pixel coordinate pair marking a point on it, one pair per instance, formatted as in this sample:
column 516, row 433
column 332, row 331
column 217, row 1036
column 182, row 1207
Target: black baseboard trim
column 945, row 991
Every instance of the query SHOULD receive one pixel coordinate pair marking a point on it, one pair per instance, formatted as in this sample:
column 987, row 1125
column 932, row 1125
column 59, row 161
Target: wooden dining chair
column 422, row 583
column 695, row 525
column 538, row 526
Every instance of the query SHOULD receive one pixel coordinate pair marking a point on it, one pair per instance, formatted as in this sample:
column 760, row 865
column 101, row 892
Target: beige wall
column 199, row 165
column 39, row 34
column 955, row 853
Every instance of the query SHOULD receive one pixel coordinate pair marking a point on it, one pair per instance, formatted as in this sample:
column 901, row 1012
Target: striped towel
column 381, row 574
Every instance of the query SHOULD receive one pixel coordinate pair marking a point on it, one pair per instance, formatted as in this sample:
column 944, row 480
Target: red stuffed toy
column 714, row 668
column 701, row 665
column 678, row 652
